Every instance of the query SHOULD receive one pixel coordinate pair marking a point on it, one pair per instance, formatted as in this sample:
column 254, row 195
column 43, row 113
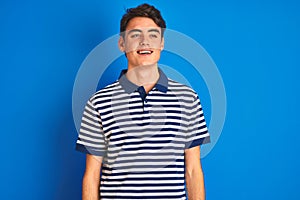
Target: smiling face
column 142, row 42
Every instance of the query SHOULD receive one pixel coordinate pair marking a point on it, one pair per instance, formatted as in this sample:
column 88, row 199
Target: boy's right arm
column 91, row 178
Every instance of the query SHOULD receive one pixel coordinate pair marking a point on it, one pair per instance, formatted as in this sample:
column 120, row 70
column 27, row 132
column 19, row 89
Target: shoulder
column 181, row 89
column 106, row 92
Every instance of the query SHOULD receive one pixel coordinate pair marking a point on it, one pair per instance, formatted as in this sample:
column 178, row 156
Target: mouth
column 144, row 52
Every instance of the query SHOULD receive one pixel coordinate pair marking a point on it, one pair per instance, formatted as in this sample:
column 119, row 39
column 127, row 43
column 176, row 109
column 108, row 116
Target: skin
column 91, row 178
column 193, row 174
column 143, row 34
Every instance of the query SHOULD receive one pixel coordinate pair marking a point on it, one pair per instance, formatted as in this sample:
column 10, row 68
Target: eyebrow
column 134, row 30
column 138, row 30
column 154, row 30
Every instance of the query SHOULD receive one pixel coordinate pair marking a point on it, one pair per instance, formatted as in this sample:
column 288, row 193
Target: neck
column 146, row 76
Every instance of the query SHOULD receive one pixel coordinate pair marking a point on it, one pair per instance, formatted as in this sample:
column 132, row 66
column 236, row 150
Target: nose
column 144, row 41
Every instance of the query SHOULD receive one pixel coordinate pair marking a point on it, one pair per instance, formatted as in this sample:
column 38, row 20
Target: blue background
column 255, row 45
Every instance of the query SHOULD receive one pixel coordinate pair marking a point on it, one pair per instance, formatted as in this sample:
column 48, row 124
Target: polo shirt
column 142, row 137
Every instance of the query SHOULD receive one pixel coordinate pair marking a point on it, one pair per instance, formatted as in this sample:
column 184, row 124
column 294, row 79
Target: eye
column 153, row 36
column 135, row 35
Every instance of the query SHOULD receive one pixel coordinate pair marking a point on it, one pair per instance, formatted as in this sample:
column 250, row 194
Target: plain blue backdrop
column 255, row 45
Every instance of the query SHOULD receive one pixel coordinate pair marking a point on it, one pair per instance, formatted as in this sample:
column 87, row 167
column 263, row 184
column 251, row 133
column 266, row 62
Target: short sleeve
column 197, row 132
column 91, row 139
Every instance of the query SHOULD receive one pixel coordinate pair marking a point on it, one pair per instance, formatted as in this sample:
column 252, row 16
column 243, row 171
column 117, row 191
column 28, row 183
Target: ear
column 162, row 44
column 121, row 44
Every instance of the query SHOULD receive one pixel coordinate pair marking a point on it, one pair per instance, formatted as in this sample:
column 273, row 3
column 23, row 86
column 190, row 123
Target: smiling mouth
column 144, row 52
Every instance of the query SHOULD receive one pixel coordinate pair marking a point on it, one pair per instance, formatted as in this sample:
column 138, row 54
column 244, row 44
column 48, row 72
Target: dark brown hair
column 143, row 10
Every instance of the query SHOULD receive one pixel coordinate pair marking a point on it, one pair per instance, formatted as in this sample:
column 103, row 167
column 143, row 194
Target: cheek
column 129, row 47
column 157, row 45
column 156, row 55
column 131, row 57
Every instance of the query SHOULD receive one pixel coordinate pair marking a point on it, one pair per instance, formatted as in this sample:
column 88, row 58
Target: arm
column 91, row 178
column 194, row 175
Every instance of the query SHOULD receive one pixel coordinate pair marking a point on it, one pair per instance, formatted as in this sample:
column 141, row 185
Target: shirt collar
column 129, row 87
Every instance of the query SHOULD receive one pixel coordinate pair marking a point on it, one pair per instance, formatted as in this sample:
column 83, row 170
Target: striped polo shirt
column 142, row 137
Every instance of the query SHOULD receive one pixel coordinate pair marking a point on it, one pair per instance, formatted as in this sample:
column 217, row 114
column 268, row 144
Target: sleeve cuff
column 85, row 150
column 197, row 142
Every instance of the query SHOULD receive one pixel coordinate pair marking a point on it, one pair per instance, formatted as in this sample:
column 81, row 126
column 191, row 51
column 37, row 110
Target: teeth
column 144, row 52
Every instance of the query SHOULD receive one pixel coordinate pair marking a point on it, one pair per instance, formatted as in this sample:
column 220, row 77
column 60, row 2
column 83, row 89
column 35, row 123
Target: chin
column 148, row 64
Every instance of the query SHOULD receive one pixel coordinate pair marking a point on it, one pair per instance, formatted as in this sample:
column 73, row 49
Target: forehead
column 141, row 23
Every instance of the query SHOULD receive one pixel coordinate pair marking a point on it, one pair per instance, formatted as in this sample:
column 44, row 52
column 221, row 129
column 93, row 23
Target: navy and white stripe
column 142, row 138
